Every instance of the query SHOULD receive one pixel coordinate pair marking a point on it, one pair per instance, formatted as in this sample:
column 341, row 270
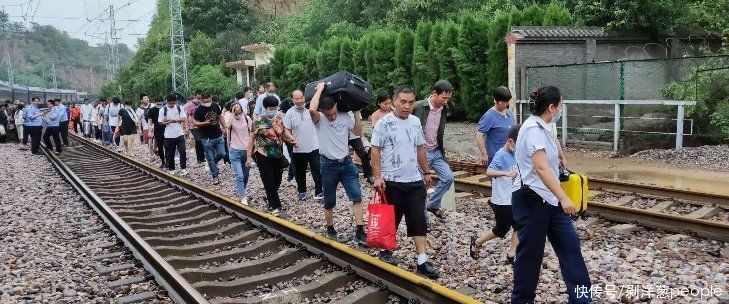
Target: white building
column 245, row 69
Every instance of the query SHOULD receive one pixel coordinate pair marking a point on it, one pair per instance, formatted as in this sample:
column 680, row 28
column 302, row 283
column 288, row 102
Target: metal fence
column 629, row 80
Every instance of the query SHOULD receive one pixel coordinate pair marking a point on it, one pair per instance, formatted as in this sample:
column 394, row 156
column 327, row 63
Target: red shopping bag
column 381, row 231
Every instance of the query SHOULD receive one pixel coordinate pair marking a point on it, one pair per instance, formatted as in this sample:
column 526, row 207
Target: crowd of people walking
column 402, row 159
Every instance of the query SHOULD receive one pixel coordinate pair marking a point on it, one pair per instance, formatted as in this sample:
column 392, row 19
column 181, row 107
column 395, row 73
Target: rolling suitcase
column 350, row 92
column 576, row 187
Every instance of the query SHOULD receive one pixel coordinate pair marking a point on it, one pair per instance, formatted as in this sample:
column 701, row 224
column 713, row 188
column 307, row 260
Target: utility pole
column 9, row 66
column 112, row 47
column 179, row 55
column 53, row 72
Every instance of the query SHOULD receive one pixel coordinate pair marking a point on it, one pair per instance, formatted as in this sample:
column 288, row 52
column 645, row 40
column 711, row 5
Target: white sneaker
column 207, row 167
column 292, row 182
column 244, row 201
column 172, row 172
column 183, row 172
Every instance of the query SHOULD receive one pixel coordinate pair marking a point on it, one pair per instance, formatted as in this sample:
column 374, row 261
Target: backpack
column 179, row 111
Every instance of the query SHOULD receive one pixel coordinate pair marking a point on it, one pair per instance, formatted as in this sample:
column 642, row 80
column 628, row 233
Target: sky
column 86, row 19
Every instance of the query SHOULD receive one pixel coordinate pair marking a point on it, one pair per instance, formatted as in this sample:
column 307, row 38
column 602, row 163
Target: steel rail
column 399, row 281
column 176, row 286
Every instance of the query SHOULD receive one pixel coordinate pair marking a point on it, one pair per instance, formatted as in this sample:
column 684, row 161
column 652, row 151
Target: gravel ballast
column 643, row 258
column 48, row 236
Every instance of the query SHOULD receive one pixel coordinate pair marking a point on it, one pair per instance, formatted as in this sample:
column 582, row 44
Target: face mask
column 249, row 95
column 556, row 118
column 270, row 114
column 300, row 106
column 206, row 104
column 238, row 116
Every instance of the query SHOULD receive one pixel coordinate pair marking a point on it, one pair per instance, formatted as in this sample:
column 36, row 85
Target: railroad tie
column 663, row 206
column 461, row 174
column 625, row 200
column 624, row 228
column 137, row 297
column 704, row 213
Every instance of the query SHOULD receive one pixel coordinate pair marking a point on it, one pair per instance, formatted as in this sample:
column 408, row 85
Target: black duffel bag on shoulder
column 350, row 92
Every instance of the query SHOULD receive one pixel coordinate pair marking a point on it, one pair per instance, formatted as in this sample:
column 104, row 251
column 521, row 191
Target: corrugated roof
column 569, row 32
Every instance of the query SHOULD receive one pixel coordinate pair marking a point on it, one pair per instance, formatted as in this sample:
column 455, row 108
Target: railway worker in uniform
column 493, row 127
column 208, row 119
column 142, row 118
column 112, row 119
column 128, row 127
column 63, row 125
column 270, row 91
column 398, row 151
column 541, row 208
column 33, row 125
column 87, row 117
column 266, row 143
column 3, row 122
column 53, row 122
column 333, row 129
column 189, row 109
column 238, row 130
column 384, row 107
column 502, row 170
column 305, row 150
column 157, row 130
column 174, row 118
column 432, row 113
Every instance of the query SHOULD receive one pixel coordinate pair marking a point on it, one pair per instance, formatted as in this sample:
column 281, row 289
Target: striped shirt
column 431, row 127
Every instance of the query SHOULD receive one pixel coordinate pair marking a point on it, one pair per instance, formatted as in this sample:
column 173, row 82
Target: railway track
column 472, row 178
column 205, row 248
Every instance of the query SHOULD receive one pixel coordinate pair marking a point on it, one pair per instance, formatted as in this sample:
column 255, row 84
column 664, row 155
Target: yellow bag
column 576, row 187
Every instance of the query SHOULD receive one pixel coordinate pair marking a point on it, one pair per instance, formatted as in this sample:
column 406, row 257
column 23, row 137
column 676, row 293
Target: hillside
column 33, row 52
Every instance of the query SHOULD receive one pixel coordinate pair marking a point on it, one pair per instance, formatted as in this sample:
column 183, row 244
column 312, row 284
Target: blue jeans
column 214, row 152
column 535, row 220
column 445, row 177
column 238, row 159
column 334, row 172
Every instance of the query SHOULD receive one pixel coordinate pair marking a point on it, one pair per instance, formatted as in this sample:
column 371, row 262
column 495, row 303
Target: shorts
column 504, row 219
column 409, row 200
column 334, row 172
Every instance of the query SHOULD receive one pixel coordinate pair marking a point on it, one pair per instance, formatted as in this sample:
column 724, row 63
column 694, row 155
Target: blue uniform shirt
column 258, row 109
column 29, row 111
column 54, row 116
column 496, row 129
column 64, row 117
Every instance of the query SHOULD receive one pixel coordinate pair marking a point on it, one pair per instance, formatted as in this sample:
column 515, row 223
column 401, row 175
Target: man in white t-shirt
column 142, row 117
column 398, row 151
column 174, row 119
column 306, row 147
column 332, row 128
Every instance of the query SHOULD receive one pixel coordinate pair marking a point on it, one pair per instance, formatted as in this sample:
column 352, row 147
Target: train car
column 37, row 92
column 20, row 92
column 6, row 91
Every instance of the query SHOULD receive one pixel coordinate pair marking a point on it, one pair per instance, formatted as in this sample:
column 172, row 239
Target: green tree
column 199, row 49
column 471, row 61
column 358, row 58
column 383, row 59
column 210, row 78
column 215, row 16
column 346, row 52
column 556, row 14
column 532, row 16
column 498, row 63
column 327, row 61
column 277, row 64
column 423, row 73
column 403, row 58
column 447, row 65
